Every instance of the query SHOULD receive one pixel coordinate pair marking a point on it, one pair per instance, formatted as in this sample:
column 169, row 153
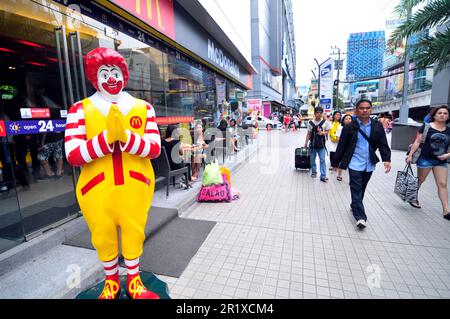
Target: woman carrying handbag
column 434, row 152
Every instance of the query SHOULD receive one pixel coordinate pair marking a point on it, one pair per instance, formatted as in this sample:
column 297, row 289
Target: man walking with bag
column 317, row 131
column 356, row 150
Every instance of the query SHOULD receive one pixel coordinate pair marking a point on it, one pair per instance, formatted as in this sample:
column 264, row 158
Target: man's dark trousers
column 358, row 184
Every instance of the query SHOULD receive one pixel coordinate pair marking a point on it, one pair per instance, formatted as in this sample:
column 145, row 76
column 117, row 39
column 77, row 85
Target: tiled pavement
column 291, row 236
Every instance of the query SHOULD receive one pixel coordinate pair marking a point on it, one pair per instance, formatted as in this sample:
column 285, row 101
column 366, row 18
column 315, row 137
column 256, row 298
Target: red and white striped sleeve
column 80, row 150
column 148, row 145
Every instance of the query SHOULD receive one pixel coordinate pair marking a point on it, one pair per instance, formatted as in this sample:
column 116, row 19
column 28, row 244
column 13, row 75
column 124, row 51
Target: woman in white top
column 333, row 140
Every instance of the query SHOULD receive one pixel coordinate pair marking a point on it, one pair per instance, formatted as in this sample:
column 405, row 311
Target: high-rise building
column 365, row 55
column 273, row 55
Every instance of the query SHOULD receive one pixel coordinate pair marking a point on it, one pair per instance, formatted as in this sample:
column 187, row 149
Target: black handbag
column 407, row 185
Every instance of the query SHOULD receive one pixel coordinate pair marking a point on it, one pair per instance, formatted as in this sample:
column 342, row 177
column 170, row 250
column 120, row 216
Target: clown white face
column 110, row 81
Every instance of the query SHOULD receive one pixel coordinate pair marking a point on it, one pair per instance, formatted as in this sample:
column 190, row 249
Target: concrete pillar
column 440, row 91
column 440, row 94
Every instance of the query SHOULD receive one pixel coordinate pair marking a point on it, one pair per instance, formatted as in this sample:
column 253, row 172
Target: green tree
column 339, row 105
column 429, row 49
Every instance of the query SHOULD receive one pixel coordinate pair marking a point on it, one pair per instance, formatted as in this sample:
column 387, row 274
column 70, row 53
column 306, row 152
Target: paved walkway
column 291, row 236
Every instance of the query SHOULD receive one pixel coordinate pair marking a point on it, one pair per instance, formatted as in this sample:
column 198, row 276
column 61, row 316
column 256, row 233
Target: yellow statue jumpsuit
column 116, row 191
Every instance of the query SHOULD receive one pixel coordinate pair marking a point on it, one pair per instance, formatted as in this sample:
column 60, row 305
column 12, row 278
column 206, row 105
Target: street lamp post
column 318, row 86
column 314, row 74
column 338, row 69
column 403, row 113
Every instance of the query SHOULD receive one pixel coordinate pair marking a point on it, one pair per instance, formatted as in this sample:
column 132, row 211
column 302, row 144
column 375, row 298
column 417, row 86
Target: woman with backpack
column 434, row 153
column 317, row 131
column 334, row 139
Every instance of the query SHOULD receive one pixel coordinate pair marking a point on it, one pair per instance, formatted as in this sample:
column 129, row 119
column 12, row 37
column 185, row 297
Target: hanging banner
column 326, row 85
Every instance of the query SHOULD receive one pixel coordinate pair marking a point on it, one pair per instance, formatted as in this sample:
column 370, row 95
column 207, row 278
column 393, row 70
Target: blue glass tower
column 365, row 55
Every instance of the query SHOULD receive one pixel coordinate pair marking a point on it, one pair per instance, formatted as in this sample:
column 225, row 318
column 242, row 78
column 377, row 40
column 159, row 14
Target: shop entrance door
column 41, row 76
column 71, row 72
column 42, row 48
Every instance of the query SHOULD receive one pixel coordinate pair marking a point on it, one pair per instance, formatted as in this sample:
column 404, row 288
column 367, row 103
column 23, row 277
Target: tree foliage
column 430, row 48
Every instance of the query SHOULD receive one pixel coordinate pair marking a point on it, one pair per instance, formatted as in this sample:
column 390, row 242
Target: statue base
column 150, row 281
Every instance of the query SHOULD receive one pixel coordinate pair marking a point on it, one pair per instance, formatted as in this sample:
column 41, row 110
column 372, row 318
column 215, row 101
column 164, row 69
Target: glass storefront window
column 11, row 227
column 41, row 76
column 190, row 90
column 35, row 177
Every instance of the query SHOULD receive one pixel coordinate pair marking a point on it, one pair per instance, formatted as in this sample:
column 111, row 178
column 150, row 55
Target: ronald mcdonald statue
column 113, row 136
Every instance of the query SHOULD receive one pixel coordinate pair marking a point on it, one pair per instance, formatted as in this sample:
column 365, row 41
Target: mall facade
column 180, row 60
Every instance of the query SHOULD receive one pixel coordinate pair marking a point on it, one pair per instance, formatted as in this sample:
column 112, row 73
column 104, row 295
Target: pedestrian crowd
column 190, row 148
column 355, row 142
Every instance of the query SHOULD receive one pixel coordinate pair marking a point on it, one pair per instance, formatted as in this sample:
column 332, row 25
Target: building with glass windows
column 180, row 60
column 273, row 55
column 420, row 83
column 365, row 52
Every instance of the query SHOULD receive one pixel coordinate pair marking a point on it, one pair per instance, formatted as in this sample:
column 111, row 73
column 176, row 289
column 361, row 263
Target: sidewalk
column 44, row 268
column 291, row 236
column 288, row 236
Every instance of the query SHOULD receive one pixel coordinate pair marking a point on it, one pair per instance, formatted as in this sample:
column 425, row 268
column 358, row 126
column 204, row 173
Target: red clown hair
column 104, row 56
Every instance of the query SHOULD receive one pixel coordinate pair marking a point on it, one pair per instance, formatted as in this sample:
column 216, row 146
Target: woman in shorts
column 434, row 155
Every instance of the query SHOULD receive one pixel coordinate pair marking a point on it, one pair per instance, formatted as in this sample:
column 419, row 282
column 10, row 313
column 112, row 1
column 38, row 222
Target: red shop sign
column 35, row 113
column 40, row 113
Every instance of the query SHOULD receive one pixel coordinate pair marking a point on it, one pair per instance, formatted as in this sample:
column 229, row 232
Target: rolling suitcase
column 302, row 158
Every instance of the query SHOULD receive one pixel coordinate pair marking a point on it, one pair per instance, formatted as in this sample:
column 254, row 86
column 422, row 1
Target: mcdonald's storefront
column 182, row 69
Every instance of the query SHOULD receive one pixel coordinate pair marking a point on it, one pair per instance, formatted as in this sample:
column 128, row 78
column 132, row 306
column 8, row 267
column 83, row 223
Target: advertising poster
column 221, row 95
column 254, row 104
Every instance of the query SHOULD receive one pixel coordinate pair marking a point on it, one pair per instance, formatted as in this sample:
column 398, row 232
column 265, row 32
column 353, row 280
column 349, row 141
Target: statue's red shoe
column 111, row 290
column 137, row 290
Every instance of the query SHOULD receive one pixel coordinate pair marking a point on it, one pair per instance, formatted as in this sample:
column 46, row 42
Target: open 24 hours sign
column 34, row 126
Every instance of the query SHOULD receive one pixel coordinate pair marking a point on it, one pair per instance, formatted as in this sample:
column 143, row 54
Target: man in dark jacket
column 356, row 151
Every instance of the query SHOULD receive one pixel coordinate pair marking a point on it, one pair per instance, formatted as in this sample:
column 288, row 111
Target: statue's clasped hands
column 115, row 126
